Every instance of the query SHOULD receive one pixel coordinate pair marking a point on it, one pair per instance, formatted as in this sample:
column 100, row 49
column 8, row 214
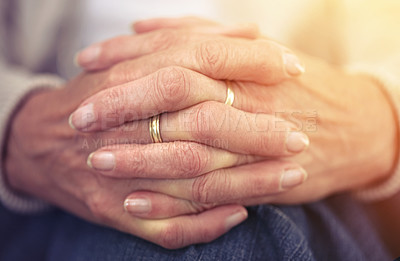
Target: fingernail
column 88, row 57
column 70, row 122
column 82, row 118
column 292, row 178
column 297, row 142
column 235, row 219
column 103, row 161
column 89, row 160
column 292, row 64
column 137, row 205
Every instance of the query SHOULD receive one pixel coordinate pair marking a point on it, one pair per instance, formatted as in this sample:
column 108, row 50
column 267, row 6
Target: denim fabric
column 335, row 229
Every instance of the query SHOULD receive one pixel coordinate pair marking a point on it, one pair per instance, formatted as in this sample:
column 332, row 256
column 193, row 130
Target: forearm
column 383, row 207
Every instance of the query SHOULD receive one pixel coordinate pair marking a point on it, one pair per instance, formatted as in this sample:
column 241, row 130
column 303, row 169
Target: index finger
column 263, row 61
column 107, row 53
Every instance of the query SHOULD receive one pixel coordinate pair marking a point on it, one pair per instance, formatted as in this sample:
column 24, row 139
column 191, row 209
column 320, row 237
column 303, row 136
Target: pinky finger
column 186, row 230
column 197, row 25
column 153, row 24
column 153, row 205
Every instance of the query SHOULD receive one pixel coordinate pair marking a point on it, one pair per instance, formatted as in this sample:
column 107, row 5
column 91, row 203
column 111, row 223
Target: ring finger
column 221, row 126
column 171, row 160
column 252, row 183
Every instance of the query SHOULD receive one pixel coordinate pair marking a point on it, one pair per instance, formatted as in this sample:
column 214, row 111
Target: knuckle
column 172, row 236
column 164, row 39
column 271, row 141
column 208, row 187
column 191, row 159
column 197, row 207
column 267, row 50
column 223, row 187
column 113, row 102
column 171, row 86
column 206, row 121
column 201, row 123
column 260, row 186
column 212, row 57
column 95, row 204
column 261, row 143
column 200, row 189
column 203, row 187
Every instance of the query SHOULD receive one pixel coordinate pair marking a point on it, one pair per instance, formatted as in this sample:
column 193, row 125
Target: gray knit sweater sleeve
column 15, row 84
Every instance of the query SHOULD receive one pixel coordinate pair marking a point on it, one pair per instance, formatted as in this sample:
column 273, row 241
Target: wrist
column 380, row 120
column 26, row 141
column 388, row 186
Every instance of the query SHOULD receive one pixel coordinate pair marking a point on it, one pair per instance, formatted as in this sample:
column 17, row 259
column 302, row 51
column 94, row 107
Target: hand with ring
column 46, row 158
column 333, row 107
column 154, row 123
column 188, row 189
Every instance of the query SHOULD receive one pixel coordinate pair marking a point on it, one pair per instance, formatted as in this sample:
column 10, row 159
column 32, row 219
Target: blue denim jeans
column 334, row 229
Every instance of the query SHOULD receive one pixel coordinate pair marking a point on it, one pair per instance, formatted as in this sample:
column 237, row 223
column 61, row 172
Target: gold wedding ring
column 230, row 95
column 154, row 128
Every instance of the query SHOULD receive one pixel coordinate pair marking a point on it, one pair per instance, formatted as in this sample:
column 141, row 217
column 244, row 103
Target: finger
column 106, row 207
column 169, row 89
column 151, row 205
column 230, row 185
column 196, row 24
column 153, row 24
column 224, row 127
column 262, row 61
column 163, row 160
column 186, row 230
column 105, row 54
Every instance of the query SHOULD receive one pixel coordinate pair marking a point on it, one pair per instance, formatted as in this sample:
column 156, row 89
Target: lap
column 335, row 229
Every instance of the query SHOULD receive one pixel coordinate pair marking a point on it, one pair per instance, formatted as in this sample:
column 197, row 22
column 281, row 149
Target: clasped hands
column 215, row 158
